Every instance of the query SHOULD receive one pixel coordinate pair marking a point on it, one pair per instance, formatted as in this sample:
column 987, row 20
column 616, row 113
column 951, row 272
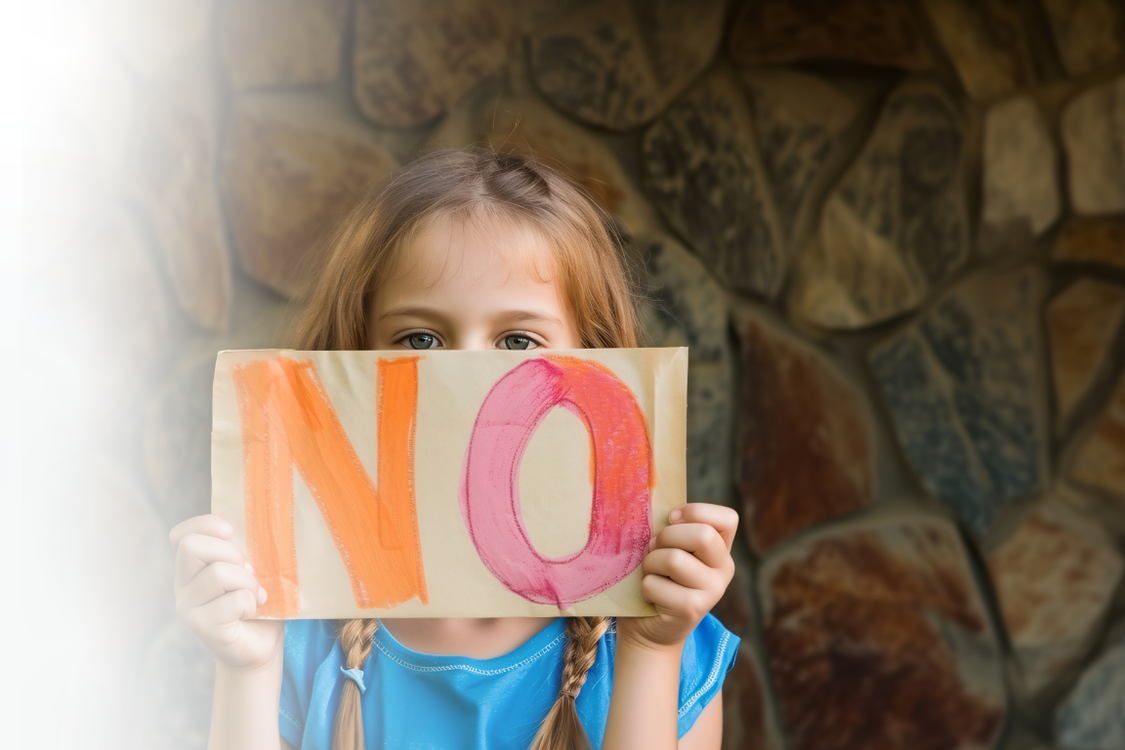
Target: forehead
column 479, row 248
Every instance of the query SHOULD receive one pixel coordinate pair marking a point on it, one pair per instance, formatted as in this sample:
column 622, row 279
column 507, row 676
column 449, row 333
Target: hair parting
column 474, row 184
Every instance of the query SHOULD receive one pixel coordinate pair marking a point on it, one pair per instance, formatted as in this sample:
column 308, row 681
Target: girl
column 469, row 250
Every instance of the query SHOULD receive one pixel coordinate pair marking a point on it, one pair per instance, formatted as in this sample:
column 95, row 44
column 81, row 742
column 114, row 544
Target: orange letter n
column 287, row 421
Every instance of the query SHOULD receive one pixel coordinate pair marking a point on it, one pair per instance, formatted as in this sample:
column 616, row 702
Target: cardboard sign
column 449, row 483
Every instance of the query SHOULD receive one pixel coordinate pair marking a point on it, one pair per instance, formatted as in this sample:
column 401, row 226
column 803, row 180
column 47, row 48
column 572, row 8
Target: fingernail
column 261, row 595
column 225, row 528
column 248, row 566
column 676, row 516
column 652, row 544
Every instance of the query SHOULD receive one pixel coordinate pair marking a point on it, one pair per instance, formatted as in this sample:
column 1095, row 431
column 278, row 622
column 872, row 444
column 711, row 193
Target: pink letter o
column 620, row 524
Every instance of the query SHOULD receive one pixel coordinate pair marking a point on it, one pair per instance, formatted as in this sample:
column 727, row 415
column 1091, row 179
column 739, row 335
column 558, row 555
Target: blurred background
column 891, row 232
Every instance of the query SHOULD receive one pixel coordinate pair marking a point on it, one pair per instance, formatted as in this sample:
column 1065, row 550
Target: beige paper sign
column 449, row 483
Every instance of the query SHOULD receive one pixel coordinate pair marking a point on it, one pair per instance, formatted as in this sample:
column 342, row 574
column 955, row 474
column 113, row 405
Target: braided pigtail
column 355, row 639
column 562, row 730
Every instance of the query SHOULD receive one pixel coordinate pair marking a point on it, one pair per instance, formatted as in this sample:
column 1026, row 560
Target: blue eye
column 421, row 341
column 518, row 343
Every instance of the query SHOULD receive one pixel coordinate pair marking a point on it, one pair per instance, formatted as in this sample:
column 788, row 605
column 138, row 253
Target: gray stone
column 135, row 573
column 987, row 42
column 1084, row 32
column 703, row 173
column 1093, row 132
column 710, row 427
column 879, row 638
column 526, row 125
column 618, row 63
column 173, row 178
column 894, row 227
column 294, row 166
column 281, row 42
column 872, row 32
column 1082, row 323
column 176, row 443
column 1100, row 459
column 963, row 386
column 799, row 120
column 684, row 306
column 111, row 273
column 805, row 449
column 1054, row 579
column 413, row 59
column 173, row 703
column 1092, row 717
column 1020, row 189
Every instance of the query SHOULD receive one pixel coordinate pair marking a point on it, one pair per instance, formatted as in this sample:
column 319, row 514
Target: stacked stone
column 892, row 235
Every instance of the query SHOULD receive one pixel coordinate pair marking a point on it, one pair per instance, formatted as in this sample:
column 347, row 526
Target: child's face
column 472, row 285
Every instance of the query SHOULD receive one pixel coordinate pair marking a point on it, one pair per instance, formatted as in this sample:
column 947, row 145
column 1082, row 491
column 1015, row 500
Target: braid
column 355, row 639
column 562, row 730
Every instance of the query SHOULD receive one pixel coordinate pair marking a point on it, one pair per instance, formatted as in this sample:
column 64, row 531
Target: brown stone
column 1100, row 461
column 895, row 225
column 1082, row 322
column 151, row 34
column 1099, row 241
column 874, row 32
column 1054, row 579
column 878, row 638
column 1093, row 133
column 281, row 42
column 703, row 172
column 746, row 719
column 1084, row 32
column 987, row 43
column 733, row 610
column 173, row 178
column 413, row 59
column 617, row 64
column 526, row 125
column 294, row 166
column 805, row 452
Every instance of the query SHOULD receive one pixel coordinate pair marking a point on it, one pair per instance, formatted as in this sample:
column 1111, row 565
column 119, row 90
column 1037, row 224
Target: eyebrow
column 509, row 317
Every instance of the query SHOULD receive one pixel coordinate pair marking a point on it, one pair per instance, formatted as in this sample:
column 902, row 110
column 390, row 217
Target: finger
column 214, row 581
column 228, row 608
column 196, row 551
column 681, row 566
column 700, row 539
column 670, row 597
column 723, row 519
column 210, row 524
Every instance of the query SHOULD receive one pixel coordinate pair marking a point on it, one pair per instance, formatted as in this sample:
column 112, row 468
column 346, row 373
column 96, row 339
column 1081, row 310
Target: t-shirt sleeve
column 307, row 645
column 709, row 654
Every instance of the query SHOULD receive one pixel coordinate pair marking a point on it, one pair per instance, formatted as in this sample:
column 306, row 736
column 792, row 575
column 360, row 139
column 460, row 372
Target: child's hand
column 216, row 592
column 686, row 571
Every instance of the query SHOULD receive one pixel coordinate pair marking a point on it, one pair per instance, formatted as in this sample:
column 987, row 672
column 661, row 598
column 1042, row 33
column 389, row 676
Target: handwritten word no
column 288, row 421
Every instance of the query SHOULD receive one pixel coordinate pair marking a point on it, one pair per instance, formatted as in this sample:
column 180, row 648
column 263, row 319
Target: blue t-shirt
column 416, row 700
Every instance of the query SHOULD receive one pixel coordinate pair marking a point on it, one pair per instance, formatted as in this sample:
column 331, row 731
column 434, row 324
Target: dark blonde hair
column 469, row 184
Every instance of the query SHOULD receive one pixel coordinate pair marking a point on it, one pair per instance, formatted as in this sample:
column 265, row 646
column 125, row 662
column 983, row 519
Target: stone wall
column 892, row 233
